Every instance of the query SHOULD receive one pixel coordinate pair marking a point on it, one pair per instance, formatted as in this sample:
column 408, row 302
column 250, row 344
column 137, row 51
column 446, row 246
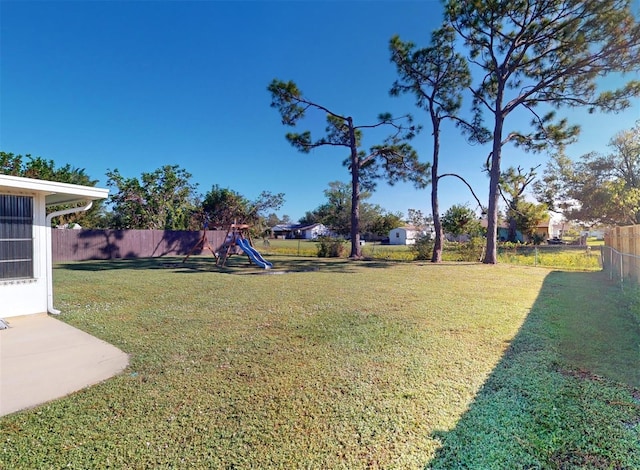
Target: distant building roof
column 292, row 227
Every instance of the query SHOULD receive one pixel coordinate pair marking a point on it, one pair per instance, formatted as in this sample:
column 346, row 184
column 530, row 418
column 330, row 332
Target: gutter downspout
column 49, row 260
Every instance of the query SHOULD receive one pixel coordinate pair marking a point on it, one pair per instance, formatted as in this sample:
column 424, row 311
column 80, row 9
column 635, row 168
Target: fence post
column 635, row 248
column 610, row 263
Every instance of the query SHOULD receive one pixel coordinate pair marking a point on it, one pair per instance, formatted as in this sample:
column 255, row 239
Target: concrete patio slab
column 42, row 359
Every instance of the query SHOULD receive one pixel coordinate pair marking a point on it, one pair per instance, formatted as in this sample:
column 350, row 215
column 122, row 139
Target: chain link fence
column 621, row 266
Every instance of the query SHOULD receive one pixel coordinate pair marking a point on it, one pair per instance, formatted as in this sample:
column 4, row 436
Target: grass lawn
column 565, row 258
column 336, row 364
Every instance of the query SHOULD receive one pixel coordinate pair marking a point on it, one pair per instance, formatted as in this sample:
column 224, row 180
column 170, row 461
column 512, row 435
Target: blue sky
column 137, row 85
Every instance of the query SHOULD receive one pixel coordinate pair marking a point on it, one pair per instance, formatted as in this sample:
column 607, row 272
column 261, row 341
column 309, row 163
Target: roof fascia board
column 55, row 192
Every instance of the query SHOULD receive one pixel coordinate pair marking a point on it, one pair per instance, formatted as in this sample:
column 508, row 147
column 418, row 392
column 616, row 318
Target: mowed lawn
column 337, row 364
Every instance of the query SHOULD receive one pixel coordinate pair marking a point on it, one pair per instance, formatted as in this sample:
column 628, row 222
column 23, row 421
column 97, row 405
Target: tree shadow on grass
column 117, row 264
column 236, row 264
column 289, row 265
column 565, row 394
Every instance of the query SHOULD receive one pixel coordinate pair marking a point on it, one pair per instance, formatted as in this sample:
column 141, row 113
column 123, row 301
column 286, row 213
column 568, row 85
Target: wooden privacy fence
column 621, row 253
column 80, row 245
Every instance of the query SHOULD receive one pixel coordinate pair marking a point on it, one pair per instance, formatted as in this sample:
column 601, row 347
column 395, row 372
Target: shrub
column 538, row 239
column 472, row 250
column 330, row 247
column 423, row 248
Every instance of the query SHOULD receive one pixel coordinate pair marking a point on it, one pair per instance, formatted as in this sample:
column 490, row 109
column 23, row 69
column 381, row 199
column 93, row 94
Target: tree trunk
column 436, row 257
column 491, row 255
column 356, row 250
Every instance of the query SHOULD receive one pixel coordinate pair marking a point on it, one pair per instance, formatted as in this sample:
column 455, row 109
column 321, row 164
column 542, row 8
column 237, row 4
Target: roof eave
column 56, row 193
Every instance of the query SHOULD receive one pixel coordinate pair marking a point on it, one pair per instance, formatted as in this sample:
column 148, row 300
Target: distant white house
column 311, row 232
column 306, row 232
column 405, row 235
column 25, row 239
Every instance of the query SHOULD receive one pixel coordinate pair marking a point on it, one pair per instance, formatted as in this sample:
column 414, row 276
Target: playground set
column 236, row 242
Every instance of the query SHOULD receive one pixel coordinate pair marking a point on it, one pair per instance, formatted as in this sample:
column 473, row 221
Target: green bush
column 330, row 247
column 467, row 251
column 538, row 239
column 423, row 249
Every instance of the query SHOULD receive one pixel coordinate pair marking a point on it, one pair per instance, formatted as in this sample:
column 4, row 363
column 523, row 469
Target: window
column 16, row 237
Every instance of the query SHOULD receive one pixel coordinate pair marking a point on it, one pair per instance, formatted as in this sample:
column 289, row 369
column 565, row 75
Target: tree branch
column 468, row 186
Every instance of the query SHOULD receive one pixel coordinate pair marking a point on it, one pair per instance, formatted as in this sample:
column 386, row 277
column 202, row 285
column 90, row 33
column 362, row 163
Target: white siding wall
column 402, row 236
column 411, row 237
column 398, row 236
column 315, row 232
column 310, row 234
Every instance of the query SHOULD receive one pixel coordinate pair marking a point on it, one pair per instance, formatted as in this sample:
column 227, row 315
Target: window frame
column 17, row 241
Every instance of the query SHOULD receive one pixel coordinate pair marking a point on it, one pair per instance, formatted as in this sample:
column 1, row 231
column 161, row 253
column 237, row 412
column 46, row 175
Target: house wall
column 503, row 235
column 543, row 231
column 315, row 232
column 28, row 296
column 397, row 237
column 402, row 236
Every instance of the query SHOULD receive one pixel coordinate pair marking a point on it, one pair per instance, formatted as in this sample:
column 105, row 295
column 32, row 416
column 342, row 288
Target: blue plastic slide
column 253, row 254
